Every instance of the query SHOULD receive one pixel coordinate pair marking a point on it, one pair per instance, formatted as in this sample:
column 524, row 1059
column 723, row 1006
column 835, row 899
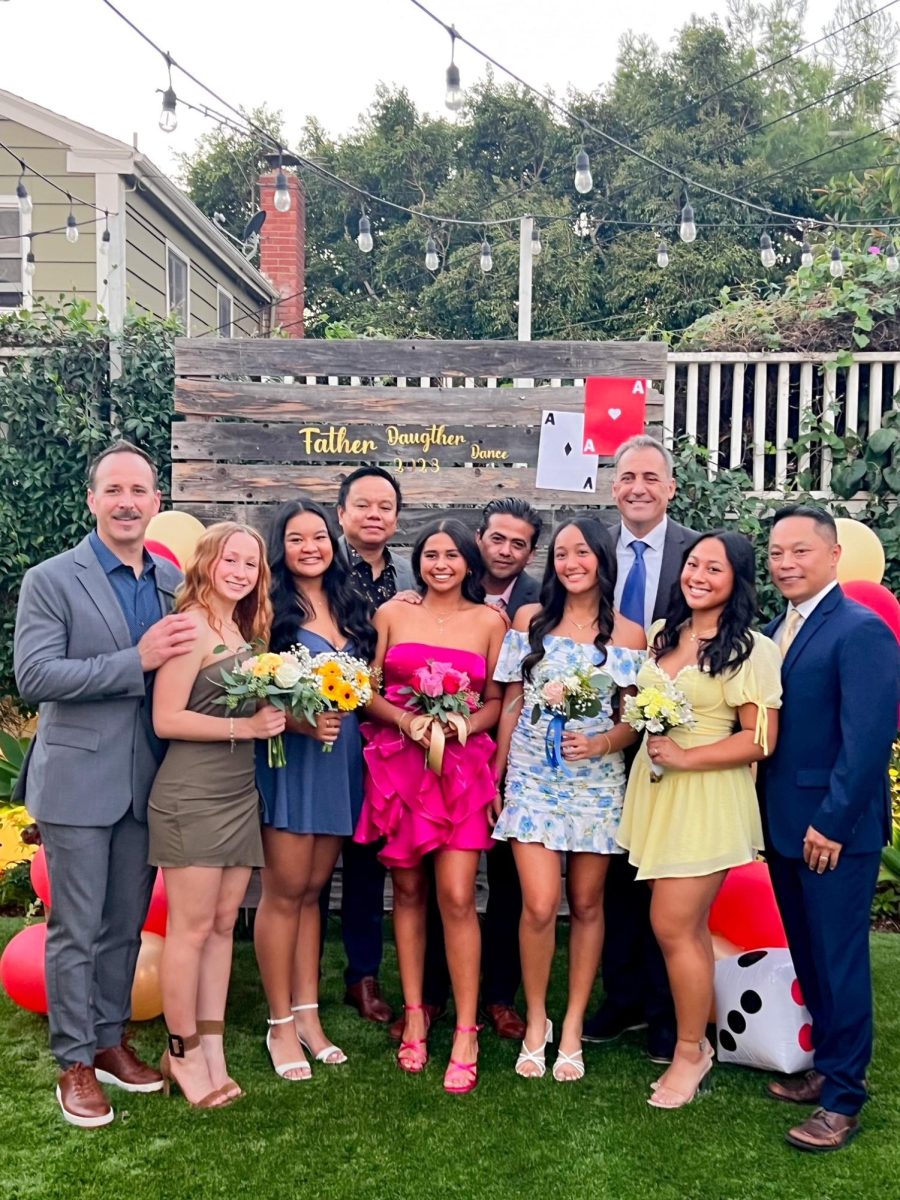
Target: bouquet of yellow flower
column 278, row 679
column 340, row 683
column 658, row 710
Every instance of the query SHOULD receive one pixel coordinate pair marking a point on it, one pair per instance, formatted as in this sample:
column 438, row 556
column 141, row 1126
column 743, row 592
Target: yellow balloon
column 146, row 993
column 179, row 531
column 862, row 554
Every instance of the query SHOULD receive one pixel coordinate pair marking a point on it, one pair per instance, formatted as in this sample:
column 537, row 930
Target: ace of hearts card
column 615, row 409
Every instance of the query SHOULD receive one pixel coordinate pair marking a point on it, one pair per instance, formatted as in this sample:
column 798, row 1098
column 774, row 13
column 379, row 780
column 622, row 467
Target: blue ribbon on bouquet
column 553, row 743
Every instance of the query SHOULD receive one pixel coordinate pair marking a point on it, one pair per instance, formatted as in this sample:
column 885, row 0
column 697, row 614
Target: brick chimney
column 282, row 252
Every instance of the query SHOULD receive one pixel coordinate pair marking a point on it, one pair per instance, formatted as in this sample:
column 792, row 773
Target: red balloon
column 22, row 968
column 878, row 598
column 745, row 911
column 40, row 876
column 162, row 551
column 158, row 912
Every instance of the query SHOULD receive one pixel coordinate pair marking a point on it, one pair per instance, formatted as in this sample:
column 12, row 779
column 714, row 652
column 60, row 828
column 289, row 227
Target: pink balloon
column 22, row 968
column 40, row 876
column 878, row 598
column 162, row 551
column 158, row 912
column 745, row 911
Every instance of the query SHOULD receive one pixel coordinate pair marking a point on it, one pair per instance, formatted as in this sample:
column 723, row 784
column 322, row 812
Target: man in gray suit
column 650, row 547
column 92, row 627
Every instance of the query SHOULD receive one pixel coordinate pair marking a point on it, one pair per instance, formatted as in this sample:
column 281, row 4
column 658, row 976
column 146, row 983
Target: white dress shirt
column 805, row 608
column 653, row 556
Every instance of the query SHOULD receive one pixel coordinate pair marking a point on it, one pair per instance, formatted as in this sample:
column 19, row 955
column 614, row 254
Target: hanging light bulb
column 662, row 255
column 29, row 259
column 25, row 205
column 168, row 118
column 892, row 262
column 536, row 246
column 687, row 230
column 453, row 98
column 766, row 253
column 71, row 226
column 105, row 239
column 282, row 195
column 806, row 254
column 487, row 261
column 432, row 262
column 837, row 265
column 364, row 238
column 584, row 181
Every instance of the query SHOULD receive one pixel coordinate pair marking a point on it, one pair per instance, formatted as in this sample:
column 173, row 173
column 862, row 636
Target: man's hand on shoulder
column 174, row 635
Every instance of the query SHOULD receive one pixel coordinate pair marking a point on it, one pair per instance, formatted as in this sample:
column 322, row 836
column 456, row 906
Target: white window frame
column 173, row 250
column 12, row 202
column 223, row 330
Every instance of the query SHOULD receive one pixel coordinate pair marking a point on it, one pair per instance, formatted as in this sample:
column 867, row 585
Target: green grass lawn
column 366, row 1130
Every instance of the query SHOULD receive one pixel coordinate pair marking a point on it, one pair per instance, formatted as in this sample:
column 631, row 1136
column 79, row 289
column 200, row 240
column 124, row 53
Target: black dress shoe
column 608, row 1025
column 660, row 1045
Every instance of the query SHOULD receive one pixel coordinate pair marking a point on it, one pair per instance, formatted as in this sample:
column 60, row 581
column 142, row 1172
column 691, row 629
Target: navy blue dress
column 316, row 792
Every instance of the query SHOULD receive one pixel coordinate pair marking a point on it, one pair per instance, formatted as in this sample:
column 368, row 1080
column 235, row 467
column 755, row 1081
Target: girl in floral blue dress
column 573, row 807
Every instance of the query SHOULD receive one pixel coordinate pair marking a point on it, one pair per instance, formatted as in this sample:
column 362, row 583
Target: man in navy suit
column 826, row 809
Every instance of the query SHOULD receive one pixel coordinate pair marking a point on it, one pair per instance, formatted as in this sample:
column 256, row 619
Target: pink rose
column 430, row 683
column 553, row 693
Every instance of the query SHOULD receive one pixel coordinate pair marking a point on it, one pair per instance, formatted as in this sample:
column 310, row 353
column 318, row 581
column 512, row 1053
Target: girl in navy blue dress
column 311, row 804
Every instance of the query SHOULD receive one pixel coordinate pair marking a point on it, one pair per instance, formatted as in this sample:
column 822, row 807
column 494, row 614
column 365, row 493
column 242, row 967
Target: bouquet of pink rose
column 440, row 695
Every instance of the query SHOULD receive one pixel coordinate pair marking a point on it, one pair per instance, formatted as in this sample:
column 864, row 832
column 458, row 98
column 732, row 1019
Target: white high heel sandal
column 537, row 1058
column 576, row 1061
column 324, row 1055
column 281, row 1069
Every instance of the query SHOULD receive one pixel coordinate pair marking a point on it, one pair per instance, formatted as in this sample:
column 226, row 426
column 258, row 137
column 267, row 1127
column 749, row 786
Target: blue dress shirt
column 138, row 597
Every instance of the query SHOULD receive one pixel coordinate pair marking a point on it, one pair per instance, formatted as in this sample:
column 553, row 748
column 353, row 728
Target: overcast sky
column 320, row 59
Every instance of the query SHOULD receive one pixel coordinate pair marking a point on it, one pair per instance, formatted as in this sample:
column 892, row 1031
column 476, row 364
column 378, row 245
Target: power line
column 824, row 154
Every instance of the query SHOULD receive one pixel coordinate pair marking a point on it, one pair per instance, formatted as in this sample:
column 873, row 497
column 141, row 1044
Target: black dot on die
column 751, row 1002
column 736, row 1021
column 726, row 1040
column 755, row 956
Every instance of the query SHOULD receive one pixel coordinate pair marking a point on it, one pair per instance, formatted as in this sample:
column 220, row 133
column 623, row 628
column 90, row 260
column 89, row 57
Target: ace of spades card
column 615, row 409
column 562, row 465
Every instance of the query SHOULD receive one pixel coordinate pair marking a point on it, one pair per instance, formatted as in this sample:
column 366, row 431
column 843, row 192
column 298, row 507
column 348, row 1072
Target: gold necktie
column 792, row 624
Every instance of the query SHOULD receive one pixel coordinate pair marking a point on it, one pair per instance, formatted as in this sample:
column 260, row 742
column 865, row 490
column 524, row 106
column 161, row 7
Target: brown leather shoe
column 366, row 998
column 433, row 1012
column 802, row 1089
column 506, row 1021
column 81, row 1098
column 823, row 1131
column 120, row 1066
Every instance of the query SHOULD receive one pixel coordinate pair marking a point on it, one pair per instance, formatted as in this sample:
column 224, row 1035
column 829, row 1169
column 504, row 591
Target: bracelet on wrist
column 231, row 732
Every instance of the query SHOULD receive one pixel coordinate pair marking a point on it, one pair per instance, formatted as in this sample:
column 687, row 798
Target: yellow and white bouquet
column 340, row 683
column 658, row 710
column 278, row 679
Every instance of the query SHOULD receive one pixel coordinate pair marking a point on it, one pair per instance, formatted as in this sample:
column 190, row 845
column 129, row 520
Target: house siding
column 147, row 230
column 61, row 269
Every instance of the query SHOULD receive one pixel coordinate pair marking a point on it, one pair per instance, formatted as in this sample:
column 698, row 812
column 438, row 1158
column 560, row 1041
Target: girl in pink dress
column 419, row 812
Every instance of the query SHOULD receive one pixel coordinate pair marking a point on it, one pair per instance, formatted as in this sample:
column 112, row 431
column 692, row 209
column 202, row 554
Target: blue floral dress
column 577, row 806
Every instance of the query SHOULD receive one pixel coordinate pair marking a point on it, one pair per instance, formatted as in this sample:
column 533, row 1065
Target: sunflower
column 329, row 670
column 330, row 689
column 347, row 698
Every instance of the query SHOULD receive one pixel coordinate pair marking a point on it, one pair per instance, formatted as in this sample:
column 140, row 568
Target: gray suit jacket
column 678, row 538
column 95, row 754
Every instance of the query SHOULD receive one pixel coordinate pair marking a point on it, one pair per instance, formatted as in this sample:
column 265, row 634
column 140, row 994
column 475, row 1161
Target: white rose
column 287, row 675
column 571, row 683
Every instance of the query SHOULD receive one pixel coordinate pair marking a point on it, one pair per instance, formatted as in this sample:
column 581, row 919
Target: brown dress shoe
column 823, row 1131
column 366, row 998
column 81, row 1098
column 506, row 1021
column 120, row 1066
column 433, row 1012
column 803, row 1089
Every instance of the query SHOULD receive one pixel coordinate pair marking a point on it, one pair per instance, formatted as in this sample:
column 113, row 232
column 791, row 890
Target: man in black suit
column 507, row 538
column 649, row 550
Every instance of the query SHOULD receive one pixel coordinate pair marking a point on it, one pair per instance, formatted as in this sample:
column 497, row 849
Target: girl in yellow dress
column 684, row 831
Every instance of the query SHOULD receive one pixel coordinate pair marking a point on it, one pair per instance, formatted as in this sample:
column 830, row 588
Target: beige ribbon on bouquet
column 419, row 726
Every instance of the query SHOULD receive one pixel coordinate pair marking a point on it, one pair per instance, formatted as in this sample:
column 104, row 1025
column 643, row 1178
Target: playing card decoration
column 761, row 1020
column 562, row 465
column 614, row 410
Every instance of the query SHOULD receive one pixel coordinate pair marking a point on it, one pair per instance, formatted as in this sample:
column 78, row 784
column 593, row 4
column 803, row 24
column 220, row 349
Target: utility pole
column 526, row 262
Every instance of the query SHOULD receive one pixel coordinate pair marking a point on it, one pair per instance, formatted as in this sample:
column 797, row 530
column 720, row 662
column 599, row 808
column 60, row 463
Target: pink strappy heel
column 416, row 1050
column 460, row 1078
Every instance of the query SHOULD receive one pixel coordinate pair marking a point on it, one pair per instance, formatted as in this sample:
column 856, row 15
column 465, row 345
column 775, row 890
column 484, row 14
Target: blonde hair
column 253, row 613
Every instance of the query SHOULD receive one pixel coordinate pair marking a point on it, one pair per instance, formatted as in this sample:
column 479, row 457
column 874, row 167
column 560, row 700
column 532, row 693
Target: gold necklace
column 441, row 621
column 701, row 637
column 578, row 625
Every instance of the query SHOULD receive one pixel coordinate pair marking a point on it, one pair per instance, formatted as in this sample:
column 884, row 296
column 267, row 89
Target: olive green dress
column 204, row 807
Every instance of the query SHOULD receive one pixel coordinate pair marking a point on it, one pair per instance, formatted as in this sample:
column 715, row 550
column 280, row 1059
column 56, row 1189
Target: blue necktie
column 635, row 589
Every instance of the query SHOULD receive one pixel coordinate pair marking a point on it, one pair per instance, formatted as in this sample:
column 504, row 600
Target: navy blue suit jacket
column 838, row 720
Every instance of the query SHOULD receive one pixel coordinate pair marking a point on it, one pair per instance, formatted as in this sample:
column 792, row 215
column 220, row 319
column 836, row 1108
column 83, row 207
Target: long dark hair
column 733, row 641
column 463, row 540
column 351, row 611
column 553, row 593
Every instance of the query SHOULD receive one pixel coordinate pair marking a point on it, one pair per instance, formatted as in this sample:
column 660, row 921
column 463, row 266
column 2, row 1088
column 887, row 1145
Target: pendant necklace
column 441, row 621
column 701, row 637
column 578, row 625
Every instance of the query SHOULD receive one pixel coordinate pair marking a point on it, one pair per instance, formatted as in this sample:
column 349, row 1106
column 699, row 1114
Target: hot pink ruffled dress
column 414, row 810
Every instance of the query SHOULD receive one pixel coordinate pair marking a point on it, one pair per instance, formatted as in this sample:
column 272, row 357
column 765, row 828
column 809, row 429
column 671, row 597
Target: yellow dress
column 693, row 823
